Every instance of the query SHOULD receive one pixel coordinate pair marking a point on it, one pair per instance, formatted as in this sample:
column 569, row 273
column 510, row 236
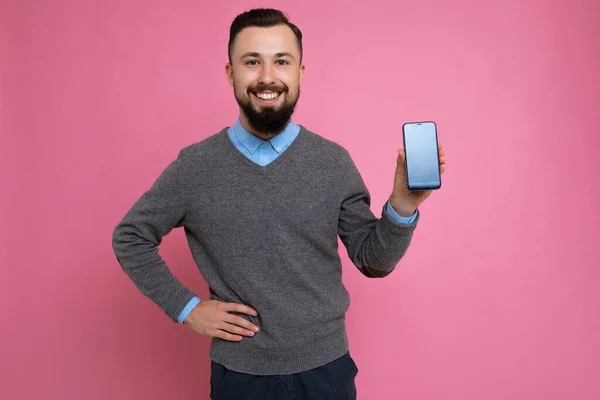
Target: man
column 262, row 204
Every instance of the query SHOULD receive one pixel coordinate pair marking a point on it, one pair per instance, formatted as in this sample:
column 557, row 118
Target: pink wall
column 498, row 298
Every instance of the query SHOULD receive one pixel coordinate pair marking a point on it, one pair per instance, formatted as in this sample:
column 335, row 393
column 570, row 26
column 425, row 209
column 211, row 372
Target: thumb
column 400, row 162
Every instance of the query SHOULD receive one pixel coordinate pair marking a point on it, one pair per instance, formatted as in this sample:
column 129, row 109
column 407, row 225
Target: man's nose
column 267, row 74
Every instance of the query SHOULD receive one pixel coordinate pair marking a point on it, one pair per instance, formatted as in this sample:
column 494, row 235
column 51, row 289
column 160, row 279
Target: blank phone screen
column 422, row 159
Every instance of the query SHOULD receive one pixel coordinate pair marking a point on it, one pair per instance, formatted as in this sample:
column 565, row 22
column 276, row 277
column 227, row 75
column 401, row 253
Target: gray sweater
column 267, row 237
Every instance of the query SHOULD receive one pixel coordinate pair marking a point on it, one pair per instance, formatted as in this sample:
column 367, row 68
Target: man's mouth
column 267, row 95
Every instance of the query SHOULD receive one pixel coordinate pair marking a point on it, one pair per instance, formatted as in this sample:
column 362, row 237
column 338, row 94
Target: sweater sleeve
column 374, row 245
column 137, row 237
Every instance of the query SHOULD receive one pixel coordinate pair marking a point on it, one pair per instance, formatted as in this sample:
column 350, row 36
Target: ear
column 302, row 67
column 229, row 72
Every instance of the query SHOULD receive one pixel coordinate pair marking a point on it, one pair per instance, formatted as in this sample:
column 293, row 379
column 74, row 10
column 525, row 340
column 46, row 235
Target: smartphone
column 422, row 155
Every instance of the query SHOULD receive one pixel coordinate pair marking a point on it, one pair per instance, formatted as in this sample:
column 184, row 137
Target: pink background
column 498, row 297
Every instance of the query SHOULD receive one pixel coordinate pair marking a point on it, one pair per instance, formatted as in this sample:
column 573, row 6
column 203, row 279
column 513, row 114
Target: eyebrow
column 277, row 55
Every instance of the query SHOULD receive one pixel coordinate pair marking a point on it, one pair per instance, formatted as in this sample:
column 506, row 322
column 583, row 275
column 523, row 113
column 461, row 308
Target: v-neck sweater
column 264, row 236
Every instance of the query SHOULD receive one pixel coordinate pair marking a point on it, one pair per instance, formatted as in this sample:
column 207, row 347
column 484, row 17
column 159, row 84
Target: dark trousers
column 333, row 381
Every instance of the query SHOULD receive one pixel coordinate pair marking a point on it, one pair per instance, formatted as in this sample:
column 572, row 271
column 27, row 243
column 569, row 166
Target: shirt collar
column 279, row 142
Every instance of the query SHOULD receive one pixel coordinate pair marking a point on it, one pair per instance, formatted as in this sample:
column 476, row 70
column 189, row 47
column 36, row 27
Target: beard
column 269, row 120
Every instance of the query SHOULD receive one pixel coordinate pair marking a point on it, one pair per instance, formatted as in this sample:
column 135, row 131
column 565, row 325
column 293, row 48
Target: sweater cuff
column 177, row 303
column 394, row 227
column 398, row 218
column 188, row 309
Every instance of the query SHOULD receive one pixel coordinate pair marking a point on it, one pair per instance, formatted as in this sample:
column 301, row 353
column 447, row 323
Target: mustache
column 273, row 88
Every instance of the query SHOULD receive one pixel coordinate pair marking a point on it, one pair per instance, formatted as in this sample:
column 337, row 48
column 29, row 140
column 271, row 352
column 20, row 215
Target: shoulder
column 212, row 145
column 326, row 146
column 332, row 160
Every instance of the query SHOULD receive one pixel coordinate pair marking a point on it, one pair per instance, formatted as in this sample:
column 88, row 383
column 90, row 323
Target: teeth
column 267, row 96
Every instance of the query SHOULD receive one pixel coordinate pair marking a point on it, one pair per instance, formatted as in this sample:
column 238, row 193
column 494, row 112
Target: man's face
column 266, row 74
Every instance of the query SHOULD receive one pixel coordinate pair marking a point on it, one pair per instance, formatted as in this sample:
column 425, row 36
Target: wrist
column 187, row 310
column 402, row 208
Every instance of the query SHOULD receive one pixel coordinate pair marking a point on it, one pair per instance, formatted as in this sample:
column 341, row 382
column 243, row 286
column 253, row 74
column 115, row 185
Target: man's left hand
column 404, row 201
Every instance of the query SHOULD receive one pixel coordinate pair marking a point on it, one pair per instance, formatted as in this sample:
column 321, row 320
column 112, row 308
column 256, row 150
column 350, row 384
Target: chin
column 260, row 108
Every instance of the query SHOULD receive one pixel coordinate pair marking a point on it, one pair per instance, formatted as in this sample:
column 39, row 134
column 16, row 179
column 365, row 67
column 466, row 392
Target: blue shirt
column 263, row 152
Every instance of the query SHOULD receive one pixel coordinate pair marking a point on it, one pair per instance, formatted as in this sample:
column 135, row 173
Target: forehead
column 267, row 41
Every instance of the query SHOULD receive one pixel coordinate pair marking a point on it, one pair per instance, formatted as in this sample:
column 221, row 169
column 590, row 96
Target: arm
column 374, row 245
column 137, row 237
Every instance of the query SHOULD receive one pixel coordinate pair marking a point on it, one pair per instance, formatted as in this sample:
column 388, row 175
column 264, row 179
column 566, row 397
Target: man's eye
column 251, row 62
column 282, row 62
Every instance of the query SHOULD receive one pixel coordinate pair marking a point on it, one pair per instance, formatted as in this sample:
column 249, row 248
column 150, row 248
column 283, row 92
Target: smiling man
column 263, row 203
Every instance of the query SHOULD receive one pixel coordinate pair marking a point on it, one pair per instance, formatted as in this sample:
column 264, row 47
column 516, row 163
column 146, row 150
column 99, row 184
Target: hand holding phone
column 422, row 157
column 419, row 167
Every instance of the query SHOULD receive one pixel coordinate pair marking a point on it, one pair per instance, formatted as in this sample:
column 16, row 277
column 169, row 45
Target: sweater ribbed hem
column 244, row 357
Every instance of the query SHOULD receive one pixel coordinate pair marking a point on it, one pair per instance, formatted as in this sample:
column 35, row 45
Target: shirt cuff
column 187, row 309
column 398, row 218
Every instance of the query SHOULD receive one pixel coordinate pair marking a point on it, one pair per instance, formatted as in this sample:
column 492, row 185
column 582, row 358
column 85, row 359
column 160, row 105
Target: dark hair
column 263, row 18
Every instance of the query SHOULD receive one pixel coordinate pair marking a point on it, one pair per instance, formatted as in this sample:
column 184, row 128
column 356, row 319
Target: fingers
column 227, row 331
column 216, row 319
column 442, row 156
column 226, row 336
column 239, row 321
column 235, row 324
column 234, row 332
column 239, row 308
column 234, row 329
column 401, row 155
